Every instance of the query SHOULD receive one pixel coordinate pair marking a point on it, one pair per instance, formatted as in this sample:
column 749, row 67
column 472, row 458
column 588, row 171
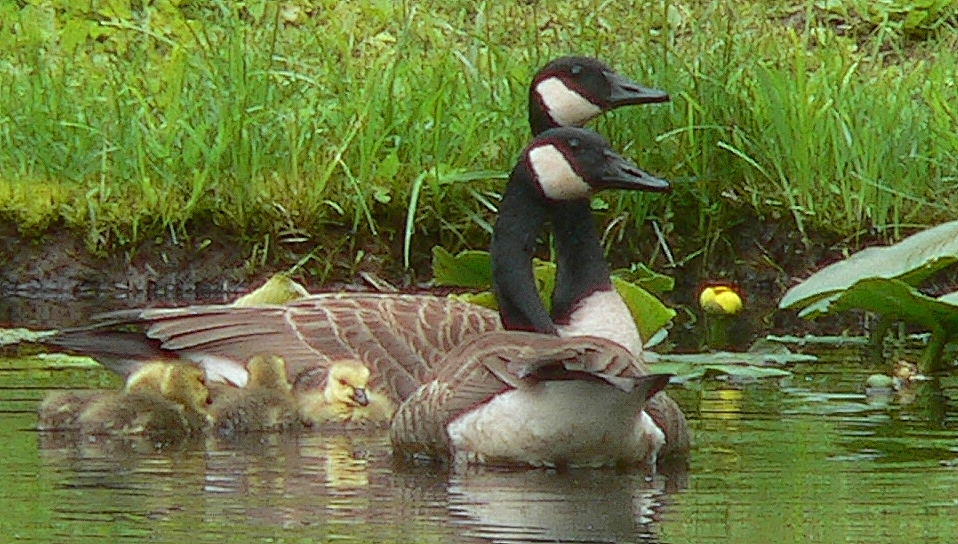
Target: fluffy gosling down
column 345, row 399
column 265, row 404
column 165, row 402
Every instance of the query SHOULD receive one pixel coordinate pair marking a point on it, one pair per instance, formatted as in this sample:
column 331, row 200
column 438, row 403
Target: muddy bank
column 55, row 281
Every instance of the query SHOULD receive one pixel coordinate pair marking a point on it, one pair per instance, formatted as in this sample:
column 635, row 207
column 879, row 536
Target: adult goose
column 515, row 397
column 415, row 331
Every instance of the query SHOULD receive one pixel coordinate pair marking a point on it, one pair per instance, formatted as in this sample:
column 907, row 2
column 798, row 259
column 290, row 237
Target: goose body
column 537, row 398
column 534, row 399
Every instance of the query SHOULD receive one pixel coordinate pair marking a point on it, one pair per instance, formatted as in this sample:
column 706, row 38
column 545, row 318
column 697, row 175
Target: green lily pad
column 896, row 300
column 646, row 278
column 911, row 261
column 647, row 310
column 278, row 289
column 15, row 336
column 472, row 269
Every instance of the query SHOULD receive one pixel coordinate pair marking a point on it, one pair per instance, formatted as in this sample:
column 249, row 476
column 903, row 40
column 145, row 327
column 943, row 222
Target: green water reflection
column 807, row 459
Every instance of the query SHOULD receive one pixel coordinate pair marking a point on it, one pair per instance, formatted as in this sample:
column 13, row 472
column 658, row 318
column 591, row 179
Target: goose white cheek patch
column 555, row 175
column 565, row 106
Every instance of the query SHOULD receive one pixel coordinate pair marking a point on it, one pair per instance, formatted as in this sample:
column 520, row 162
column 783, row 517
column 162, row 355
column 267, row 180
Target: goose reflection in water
column 571, row 506
column 348, row 486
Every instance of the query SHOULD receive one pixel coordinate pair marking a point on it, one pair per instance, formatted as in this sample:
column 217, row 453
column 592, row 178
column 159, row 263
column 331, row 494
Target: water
column 806, row 459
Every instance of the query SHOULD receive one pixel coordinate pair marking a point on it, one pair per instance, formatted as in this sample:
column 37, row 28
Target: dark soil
column 56, row 282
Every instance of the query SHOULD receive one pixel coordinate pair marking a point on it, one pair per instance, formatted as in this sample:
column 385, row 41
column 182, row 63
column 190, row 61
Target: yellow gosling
column 345, row 399
column 167, row 414
column 266, row 403
column 60, row 409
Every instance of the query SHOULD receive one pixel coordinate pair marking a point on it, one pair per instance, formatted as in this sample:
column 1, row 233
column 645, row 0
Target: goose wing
column 401, row 337
column 495, row 361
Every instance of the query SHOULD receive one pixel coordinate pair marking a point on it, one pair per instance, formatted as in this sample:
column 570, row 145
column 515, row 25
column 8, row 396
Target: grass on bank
column 129, row 119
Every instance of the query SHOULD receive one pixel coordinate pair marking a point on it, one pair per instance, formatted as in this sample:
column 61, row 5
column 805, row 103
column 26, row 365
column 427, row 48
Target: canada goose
column 401, row 337
column 344, row 399
column 527, row 398
column 175, row 411
column 265, row 404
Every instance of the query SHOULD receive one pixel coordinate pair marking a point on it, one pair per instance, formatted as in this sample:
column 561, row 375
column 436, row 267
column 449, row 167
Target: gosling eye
column 343, row 382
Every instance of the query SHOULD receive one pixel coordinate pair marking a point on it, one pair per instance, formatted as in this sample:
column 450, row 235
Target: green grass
column 125, row 120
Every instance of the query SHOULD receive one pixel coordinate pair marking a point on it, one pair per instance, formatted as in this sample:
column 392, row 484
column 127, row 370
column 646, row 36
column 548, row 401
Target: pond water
column 809, row 458
column 806, row 459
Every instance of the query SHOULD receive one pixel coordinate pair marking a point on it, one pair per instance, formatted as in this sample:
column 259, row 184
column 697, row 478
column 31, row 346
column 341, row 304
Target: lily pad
column 896, row 300
column 688, row 371
column 911, row 261
column 472, row 268
column 278, row 289
column 646, row 278
column 15, row 336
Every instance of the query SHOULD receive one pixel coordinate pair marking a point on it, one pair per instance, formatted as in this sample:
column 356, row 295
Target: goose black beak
column 625, row 92
column 360, row 396
column 620, row 173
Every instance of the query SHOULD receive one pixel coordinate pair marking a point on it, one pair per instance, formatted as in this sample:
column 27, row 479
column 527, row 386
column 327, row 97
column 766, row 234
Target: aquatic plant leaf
column 911, row 261
column 647, row 310
column 15, row 336
column 278, row 289
column 471, row 268
column 897, row 300
column 698, row 367
column 646, row 278
column 720, row 358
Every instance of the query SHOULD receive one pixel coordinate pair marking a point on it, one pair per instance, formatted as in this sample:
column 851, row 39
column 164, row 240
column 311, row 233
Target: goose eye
column 576, row 69
column 573, row 142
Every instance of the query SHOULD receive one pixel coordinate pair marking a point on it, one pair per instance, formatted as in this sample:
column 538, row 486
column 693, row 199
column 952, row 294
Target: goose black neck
column 522, row 213
column 581, row 269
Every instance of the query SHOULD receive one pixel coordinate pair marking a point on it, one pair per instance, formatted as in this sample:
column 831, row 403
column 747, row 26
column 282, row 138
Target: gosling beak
column 620, row 173
column 625, row 92
column 360, row 396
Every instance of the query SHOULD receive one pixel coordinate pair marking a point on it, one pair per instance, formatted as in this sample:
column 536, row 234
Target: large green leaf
column 896, row 300
column 911, row 261
column 472, row 268
column 647, row 310
column 646, row 278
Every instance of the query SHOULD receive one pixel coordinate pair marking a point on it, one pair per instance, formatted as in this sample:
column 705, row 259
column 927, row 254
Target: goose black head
column 569, row 163
column 571, row 91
